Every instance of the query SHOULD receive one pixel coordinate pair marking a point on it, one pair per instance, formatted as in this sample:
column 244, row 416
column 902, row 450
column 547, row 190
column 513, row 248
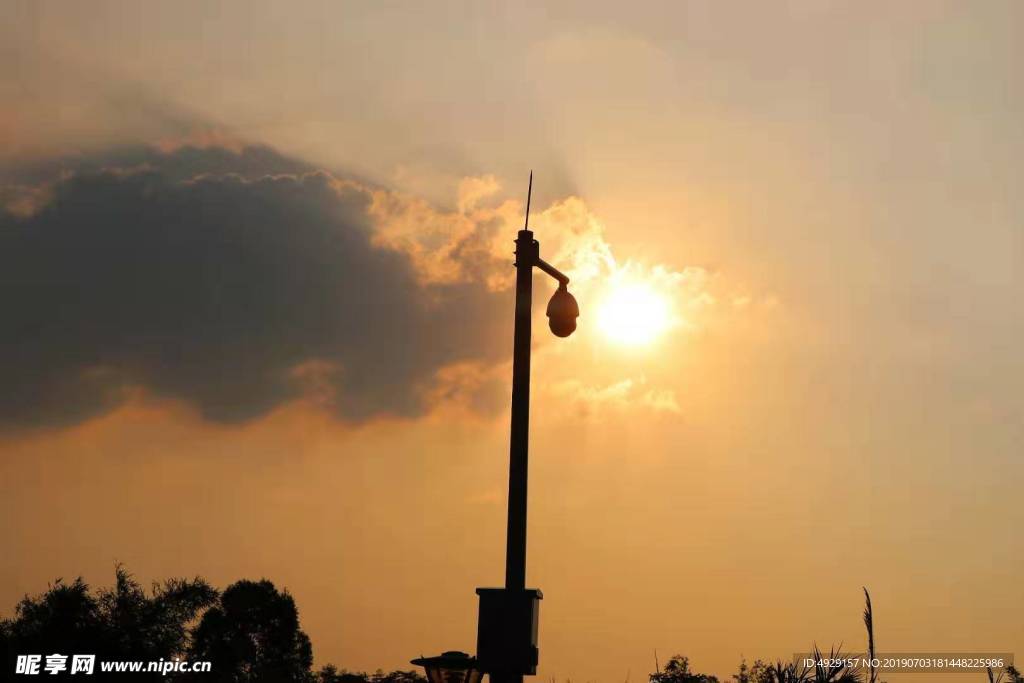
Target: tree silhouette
column 755, row 673
column 331, row 674
column 779, row 672
column 122, row 623
column 677, row 670
column 152, row 627
column 65, row 619
column 790, row 672
column 252, row 635
column 749, row 674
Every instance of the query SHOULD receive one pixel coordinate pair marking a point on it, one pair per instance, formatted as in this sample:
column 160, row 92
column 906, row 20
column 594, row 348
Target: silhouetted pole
column 527, row 253
column 507, row 627
column 519, row 443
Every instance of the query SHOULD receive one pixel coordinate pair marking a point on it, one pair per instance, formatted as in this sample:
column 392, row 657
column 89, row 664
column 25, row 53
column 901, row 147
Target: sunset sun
column 634, row 314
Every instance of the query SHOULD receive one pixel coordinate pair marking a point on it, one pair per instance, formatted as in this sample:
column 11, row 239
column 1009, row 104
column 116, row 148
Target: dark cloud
column 184, row 163
column 198, row 276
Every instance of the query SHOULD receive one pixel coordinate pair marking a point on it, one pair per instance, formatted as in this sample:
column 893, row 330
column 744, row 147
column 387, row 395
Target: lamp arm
column 562, row 278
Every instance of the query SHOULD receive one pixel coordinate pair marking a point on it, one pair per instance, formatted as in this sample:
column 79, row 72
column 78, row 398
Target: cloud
column 627, row 394
column 234, row 280
column 230, row 280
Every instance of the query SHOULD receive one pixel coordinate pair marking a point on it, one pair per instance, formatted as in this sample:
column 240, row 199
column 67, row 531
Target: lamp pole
column 519, row 611
column 508, row 618
column 527, row 255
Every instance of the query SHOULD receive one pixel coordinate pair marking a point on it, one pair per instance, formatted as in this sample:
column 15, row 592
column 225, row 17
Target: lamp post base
column 506, row 645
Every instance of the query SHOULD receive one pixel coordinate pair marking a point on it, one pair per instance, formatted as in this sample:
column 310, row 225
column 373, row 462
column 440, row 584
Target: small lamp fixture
column 450, row 667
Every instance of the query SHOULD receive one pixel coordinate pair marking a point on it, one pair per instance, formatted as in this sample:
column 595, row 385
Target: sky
column 255, row 271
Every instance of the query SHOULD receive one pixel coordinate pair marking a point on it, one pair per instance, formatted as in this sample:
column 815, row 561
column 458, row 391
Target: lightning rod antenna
column 529, row 194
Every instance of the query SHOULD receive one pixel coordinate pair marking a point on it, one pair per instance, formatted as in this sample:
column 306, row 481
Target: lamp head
column 562, row 312
column 450, row 667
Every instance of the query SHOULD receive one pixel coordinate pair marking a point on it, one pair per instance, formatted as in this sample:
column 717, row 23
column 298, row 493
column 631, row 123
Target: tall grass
column 869, row 624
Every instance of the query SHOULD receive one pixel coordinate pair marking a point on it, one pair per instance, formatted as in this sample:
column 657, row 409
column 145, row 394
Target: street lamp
column 450, row 667
column 508, row 618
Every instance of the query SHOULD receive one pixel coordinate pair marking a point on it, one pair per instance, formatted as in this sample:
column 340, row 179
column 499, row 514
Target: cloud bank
column 233, row 280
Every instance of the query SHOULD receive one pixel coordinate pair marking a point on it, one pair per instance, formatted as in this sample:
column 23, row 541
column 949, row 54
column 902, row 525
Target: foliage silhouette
column 743, row 674
column 154, row 627
column 249, row 633
column 1009, row 675
column 331, row 674
column 790, row 672
column 121, row 623
column 677, row 670
column 252, row 634
column 835, row 671
column 869, row 626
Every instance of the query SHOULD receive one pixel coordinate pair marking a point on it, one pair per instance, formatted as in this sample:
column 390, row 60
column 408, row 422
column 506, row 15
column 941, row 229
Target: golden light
column 634, row 314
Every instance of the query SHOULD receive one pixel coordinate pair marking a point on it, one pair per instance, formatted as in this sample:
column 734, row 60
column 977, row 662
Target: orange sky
column 823, row 197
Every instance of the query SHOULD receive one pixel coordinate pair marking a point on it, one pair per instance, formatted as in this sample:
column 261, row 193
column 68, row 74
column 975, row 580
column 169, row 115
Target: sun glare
column 634, row 314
